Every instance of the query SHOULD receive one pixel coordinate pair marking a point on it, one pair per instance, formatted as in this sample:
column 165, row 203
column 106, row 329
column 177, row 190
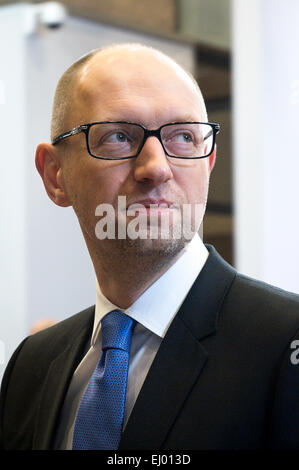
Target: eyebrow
column 129, row 118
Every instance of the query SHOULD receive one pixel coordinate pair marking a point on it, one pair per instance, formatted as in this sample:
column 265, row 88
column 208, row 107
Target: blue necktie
column 100, row 415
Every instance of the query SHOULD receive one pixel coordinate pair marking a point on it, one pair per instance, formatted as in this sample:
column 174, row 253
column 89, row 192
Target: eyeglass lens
column 115, row 140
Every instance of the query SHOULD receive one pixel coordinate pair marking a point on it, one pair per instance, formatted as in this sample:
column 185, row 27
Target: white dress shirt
column 153, row 311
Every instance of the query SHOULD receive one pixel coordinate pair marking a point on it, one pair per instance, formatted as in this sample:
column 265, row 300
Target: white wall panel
column 266, row 156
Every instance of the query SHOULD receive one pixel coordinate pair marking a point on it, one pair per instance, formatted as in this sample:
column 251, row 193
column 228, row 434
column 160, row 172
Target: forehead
column 136, row 86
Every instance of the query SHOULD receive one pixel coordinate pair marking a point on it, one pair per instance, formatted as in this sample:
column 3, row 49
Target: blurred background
column 245, row 58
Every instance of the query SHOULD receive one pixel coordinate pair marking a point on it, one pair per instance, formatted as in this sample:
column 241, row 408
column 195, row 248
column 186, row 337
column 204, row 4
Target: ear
column 48, row 166
column 212, row 159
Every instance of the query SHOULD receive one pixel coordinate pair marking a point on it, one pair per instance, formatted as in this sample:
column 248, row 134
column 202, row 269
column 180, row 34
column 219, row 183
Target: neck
column 125, row 269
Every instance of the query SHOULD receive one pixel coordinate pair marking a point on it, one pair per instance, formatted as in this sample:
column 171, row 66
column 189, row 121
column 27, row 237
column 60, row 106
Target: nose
column 152, row 164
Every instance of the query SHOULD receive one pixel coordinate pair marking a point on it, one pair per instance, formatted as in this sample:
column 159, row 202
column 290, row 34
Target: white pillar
column 265, row 135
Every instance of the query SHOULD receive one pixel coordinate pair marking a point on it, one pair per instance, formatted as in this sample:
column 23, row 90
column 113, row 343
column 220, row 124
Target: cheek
column 96, row 185
column 195, row 183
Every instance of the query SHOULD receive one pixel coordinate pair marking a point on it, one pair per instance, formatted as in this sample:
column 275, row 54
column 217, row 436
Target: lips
column 152, row 201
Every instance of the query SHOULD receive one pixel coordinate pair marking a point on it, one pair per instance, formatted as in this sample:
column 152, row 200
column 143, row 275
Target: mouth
column 152, row 208
column 153, row 203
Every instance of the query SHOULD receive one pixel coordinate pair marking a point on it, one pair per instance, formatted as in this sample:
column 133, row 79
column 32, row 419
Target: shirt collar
column 157, row 306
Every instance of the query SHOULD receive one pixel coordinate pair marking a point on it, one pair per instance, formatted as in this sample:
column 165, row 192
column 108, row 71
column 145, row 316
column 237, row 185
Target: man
column 208, row 360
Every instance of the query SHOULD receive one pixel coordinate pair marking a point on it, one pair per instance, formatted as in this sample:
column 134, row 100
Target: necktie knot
column 117, row 330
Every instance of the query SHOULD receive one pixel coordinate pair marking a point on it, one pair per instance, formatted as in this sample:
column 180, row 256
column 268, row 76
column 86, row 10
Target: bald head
column 64, row 94
column 108, row 64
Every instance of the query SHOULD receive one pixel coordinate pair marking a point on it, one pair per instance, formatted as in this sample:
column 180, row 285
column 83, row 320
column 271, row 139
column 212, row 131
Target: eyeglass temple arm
column 74, row 131
column 211, row 132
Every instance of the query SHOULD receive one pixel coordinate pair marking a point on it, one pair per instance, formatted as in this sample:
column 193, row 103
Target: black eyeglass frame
column 147, row 133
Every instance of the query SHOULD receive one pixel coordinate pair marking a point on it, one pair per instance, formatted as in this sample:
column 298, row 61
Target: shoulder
column 42, row 347
column 262, row 311
column 259, row 295
column 32, row 357
column 65, row 327
column 248, row 301
column 62, row 333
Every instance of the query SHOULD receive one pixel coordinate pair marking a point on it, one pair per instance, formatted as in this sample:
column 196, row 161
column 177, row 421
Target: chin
column 158, row 248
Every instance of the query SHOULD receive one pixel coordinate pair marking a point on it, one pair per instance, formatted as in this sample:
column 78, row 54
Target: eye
column 181, row 137
column 184, row 137
column 116, row 137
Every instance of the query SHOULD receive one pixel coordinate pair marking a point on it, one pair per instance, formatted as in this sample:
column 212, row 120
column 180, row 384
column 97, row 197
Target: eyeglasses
column 122, row 140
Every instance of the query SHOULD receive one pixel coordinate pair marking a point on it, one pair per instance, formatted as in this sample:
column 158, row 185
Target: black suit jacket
column 223, row 377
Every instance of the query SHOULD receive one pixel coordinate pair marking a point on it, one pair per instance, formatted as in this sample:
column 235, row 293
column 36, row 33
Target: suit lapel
column 167, row 385
column 180, row 359
column 55, row 387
